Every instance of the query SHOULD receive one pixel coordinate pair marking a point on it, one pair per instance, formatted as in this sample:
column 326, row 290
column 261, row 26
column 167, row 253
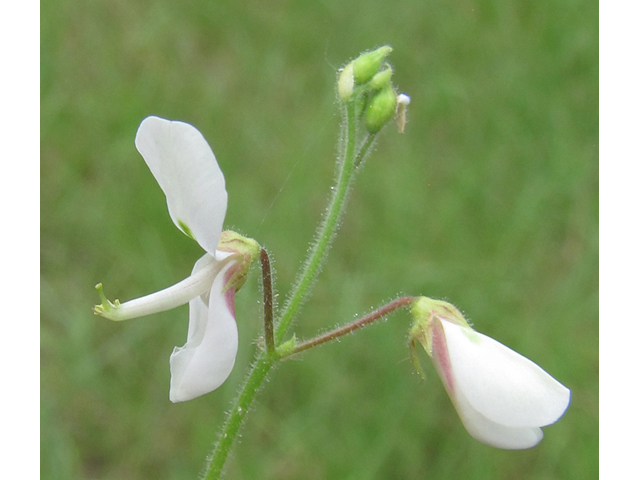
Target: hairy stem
column 235, row 417
column 350, row 327
column 327, row 230
column 267, row 291
column 265, row 362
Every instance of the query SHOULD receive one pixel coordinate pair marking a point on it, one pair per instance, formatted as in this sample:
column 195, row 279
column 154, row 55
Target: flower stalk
column 351, row 327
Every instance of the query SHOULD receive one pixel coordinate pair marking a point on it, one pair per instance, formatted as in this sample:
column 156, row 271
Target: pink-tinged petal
column 206, row 360
column 440, row 356
column 500, row 384
column 186, row 169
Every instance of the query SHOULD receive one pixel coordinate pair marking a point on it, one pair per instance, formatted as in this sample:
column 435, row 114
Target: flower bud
column 246, row 249
column 381, row 109
column 381, row 79
column 367, row 64
column 346, row 82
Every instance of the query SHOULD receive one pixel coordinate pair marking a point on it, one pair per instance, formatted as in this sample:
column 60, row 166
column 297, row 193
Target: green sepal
column 424, row 307
column 415, row 358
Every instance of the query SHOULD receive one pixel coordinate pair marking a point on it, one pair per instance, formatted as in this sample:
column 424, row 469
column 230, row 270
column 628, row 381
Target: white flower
column 501, row 397
column 186, row 169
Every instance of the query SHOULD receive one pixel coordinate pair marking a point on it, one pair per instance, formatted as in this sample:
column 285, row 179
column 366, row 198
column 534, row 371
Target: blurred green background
column 490, row 200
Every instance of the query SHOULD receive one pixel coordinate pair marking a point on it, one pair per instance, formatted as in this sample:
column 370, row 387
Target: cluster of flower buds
column 367, row 81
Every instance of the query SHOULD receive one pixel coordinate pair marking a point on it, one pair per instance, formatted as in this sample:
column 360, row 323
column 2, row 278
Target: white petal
column 186, row 169
column 206, row 360
column 476, row 424
column 197, row 284
column 500, row 384
column 493, row 434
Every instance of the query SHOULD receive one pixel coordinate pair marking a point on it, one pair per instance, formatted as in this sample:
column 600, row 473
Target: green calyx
column 424, row 307
column 424, row 310
column 246, row 251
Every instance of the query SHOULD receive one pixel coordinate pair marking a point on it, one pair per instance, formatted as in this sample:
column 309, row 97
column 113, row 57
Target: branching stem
column 265, row 361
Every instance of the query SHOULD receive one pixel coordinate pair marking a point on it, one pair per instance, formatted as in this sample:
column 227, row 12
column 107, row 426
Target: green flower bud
column 247, row 251
column 381, row 109
column 381, row 79
column 367, row 64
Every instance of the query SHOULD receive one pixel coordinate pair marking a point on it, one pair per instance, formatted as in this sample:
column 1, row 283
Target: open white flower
column 501, row 397
column 186, row 169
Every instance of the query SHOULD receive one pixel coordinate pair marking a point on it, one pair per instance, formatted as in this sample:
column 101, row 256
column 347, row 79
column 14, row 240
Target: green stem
column 327, row 230
column 234, row 418
column 265, row 362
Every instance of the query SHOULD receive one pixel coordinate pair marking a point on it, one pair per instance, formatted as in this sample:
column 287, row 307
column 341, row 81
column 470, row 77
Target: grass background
column 490, row 200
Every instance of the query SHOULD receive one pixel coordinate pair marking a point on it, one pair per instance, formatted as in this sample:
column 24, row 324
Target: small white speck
column 404, row 99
